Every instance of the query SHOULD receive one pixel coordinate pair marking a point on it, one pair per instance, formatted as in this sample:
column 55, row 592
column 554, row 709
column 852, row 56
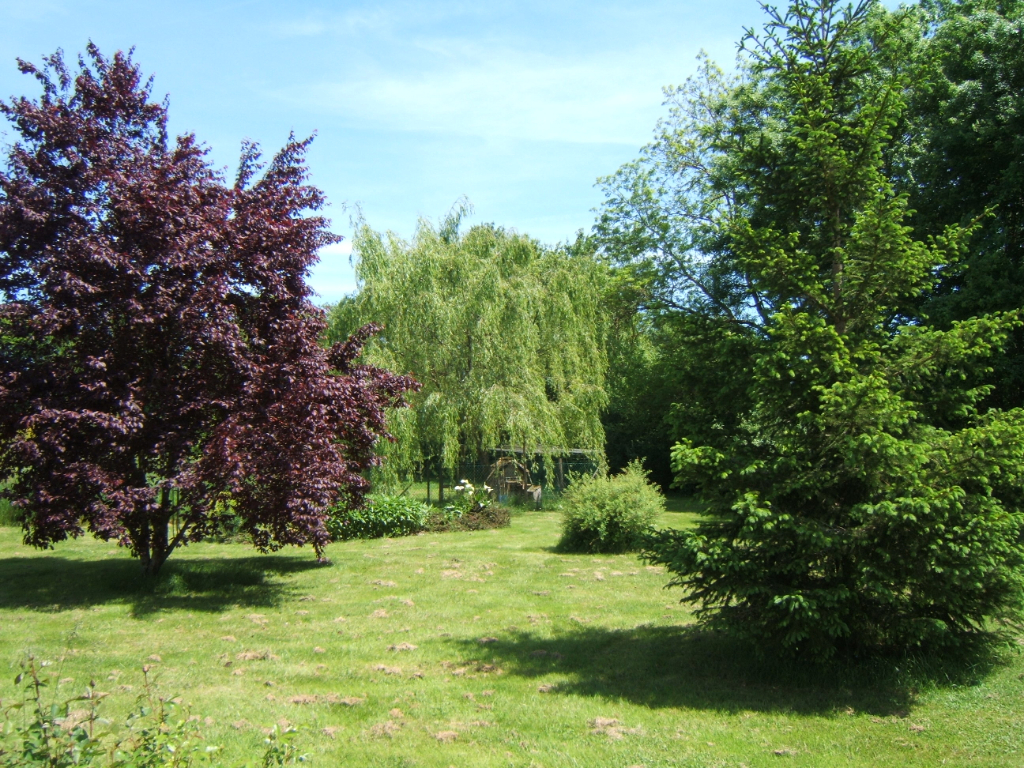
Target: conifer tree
column 863, row 499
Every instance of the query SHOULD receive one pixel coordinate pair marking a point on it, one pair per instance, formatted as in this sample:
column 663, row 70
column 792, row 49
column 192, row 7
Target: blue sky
column 519, row 106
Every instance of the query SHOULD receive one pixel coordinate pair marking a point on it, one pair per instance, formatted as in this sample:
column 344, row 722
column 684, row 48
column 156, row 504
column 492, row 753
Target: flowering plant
column 468, row 498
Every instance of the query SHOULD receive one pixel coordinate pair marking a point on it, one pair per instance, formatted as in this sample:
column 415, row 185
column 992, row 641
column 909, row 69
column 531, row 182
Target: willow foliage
column 506, row 337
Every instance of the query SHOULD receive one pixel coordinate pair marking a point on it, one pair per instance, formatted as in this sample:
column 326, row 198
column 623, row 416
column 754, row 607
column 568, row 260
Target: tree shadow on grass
column 690, row 668
column 56, row 583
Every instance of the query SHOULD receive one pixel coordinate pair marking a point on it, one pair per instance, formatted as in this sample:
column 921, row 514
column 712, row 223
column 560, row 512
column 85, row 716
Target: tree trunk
column 151, row 541
column 140, row 544
column 153, row 566
column 159, row 550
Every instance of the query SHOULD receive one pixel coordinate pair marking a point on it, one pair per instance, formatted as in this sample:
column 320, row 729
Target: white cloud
column 504, row 94
column 334, row 250
column 354, row 21
column 570, row 73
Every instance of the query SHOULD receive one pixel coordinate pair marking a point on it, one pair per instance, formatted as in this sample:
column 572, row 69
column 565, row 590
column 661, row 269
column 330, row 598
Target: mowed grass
column 478, row 649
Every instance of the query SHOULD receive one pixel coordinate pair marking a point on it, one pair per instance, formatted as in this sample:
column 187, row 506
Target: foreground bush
column 383, row 515
column 609, row 514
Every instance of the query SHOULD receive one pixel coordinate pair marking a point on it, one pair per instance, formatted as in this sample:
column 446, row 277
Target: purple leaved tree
column 160, row 372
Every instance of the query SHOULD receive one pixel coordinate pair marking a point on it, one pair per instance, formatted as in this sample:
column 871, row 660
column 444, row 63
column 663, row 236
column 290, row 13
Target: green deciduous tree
column 968, row 161
column 860, row 497
column 697, row 318
column 506, row 337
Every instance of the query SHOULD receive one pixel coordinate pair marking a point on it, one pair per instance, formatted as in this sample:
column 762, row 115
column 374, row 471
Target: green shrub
column 471, row 508
column 383, row 515
column 9, row 517
column 467, row 498
column 609, row 514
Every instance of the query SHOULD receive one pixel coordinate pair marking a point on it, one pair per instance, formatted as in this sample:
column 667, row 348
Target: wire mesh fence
column 506, row 475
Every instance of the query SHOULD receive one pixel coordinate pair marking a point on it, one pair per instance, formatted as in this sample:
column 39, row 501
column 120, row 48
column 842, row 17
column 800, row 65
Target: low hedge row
column 387, row 515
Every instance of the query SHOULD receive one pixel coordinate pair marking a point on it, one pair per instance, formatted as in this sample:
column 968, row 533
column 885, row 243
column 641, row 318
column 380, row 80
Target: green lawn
column 513, row 656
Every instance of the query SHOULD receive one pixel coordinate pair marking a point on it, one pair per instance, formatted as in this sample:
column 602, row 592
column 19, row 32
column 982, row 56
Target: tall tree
column 664, row 227
column 159, row 364
column 861, row 498
column 671, row 374
column 967, row 118
column 505, row 336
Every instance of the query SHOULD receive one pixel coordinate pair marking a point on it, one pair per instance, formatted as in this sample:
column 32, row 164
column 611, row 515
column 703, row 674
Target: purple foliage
column 160, row 370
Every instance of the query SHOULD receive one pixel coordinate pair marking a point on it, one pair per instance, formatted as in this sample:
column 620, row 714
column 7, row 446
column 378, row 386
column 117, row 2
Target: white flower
column 459, row 488
column 487, row 488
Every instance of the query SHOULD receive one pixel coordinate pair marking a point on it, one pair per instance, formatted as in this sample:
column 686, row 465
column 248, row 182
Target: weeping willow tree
column 505, row 336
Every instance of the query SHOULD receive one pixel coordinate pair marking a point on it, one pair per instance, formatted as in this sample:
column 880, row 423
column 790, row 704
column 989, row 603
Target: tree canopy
column 966, row 164
column 160, row 370
column 801, row 301
column 505, row 336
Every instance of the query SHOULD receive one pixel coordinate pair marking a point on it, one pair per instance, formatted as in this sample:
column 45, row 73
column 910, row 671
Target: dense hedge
column 382, row 515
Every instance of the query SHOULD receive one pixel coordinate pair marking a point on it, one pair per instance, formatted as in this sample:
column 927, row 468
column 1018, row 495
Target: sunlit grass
column 479, row 649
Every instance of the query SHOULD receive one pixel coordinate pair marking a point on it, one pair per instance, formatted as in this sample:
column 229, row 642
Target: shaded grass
column 57, row 583
column 678, row 503
column 517, row 651
column 684, row 667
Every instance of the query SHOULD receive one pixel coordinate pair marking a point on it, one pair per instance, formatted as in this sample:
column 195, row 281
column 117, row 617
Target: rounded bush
column 609, row 514
column 383, row 515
